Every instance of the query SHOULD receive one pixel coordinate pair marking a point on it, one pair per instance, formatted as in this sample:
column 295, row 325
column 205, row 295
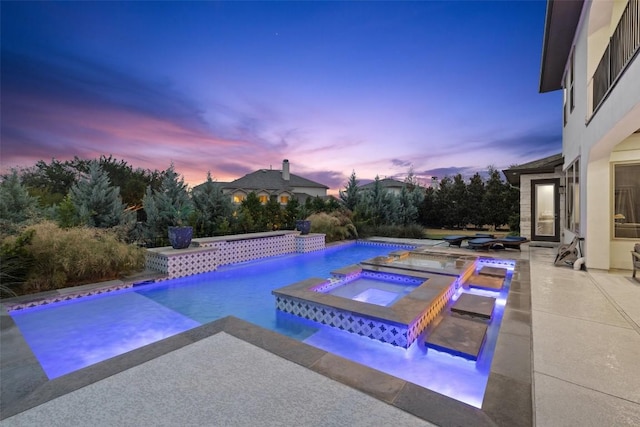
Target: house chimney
column 285, row 170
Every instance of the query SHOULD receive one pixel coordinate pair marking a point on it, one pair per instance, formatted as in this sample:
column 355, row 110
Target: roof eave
column 561, row 22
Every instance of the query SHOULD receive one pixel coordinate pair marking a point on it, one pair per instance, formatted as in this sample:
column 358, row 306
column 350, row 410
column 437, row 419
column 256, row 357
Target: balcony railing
column 622, row 47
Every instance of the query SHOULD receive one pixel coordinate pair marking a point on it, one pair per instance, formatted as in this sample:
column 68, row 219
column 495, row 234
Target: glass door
column 545, row 210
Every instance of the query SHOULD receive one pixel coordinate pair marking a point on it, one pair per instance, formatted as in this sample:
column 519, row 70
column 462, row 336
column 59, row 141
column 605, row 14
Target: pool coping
column 508, row 398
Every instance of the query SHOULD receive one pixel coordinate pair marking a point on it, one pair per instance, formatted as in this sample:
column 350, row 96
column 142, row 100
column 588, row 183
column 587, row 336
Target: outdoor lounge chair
column 481, row 243
column 512, row 242
column 568, row 254
column 509, row 242
column 635, row 259
column 455, row 240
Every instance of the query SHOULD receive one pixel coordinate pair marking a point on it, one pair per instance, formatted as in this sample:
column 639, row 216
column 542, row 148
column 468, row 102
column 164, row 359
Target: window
column 572, row 102
column 263, row 199
column 572, row 196
column 626, row 200
column 238, row 198
column 284, row 200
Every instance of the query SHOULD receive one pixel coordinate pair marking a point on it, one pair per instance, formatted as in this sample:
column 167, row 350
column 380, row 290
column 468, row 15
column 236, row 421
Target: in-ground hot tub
column 399, row 323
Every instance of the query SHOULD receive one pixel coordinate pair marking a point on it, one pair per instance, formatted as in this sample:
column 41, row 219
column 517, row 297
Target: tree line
column 110, row 193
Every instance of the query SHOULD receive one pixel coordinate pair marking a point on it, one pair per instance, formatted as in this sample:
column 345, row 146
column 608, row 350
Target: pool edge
column 508, row 398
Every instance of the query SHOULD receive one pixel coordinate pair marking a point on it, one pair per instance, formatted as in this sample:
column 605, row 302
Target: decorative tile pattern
column 236, row 251
column 416, row 328
column 376, row 329
column 310, row 243
column 67, row 296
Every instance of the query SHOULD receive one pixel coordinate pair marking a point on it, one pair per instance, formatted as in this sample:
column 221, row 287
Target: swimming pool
column 68, row 336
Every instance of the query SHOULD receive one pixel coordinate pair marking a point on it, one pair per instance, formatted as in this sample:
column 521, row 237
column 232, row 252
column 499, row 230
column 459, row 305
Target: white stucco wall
column 594, row 139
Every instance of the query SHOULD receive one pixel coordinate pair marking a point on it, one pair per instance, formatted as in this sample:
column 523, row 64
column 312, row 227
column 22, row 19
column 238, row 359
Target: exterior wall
column 526, row 222
column 594, row 138
column 312, row 191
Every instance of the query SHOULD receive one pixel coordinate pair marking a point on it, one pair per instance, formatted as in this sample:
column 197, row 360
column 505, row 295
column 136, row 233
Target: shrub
column 335, row 226
column 412, row 231
column 16, row 262
column 74, row 256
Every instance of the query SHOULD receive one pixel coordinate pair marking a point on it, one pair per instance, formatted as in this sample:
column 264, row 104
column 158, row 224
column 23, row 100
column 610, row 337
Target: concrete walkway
column 586, row 371
column 586, row 345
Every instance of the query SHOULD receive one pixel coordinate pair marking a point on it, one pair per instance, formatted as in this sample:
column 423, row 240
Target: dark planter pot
column 303, row 226
column 180, row 237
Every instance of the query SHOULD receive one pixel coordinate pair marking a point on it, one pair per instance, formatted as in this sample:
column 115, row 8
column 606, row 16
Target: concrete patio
column 585, row 338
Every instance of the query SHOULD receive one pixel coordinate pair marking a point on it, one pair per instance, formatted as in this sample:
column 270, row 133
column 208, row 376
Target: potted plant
column 303, row 226
column 180, row 234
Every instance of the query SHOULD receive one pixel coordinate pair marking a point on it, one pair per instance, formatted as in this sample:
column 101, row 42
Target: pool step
column 474, row 305
column 483, row 281
column 493, row 271
column 458, row 336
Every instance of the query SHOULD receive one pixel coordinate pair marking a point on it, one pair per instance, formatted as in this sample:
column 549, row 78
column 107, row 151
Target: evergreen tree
column 170, row 205
column 496, row 206
column 252, row 216
column 428, row 215
column 212, row 208
column 351, row 194
column 444, row 202
column 377, row 206
column 97, row 203
column 16, row 204
column 318, row 205
column 411, row 180
column 459, row 197
column 291, row 214
column 475, row 204
column 273, row 214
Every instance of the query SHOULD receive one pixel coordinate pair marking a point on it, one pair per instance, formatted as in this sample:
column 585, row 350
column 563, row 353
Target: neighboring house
column 391, row 185
column 541, row 184
column 590, row 51
column 281, row 184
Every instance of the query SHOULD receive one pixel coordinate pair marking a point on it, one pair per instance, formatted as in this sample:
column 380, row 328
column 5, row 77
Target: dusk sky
column 232, row 87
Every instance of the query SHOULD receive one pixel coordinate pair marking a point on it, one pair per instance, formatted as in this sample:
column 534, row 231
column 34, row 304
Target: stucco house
column 391, row 185
column 541, row 184
column 590, row 52
column 270, row 182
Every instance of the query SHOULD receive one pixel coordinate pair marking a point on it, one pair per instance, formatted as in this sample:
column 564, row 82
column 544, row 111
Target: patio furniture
column 512, row 242
column 455, row 240
column 568, row 254
column 635, row 259
column 509, row 242
column 481, row 243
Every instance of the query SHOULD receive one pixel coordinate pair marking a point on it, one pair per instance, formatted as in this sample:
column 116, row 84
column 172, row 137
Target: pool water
column 71, row 335
column 374, row 291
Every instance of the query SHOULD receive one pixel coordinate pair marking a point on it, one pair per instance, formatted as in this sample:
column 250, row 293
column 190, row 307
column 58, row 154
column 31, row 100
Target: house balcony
column 620, row 52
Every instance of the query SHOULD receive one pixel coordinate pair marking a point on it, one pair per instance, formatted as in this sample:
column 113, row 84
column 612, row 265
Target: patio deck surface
column 583, row 338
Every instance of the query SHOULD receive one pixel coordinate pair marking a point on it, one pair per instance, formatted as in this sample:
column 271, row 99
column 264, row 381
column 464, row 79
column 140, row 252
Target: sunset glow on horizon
column 378, row 88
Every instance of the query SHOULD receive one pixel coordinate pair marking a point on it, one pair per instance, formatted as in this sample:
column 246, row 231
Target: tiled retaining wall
column 182, row 262
column 235, row 251
column 208, row 255
column 309, row 243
